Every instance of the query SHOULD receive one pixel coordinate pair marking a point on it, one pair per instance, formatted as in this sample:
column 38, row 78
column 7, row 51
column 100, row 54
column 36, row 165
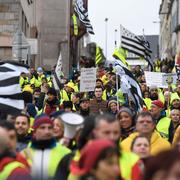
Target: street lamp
column 106, row 34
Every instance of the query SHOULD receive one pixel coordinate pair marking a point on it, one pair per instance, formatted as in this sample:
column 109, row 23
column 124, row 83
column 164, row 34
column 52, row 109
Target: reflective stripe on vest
column 45, row 161
column 98, row 55
column 127, row 160
column 163, row 127
column 75, row 24
column 9, row 168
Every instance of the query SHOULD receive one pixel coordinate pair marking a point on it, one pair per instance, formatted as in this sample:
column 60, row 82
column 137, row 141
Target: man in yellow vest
column 145, row 125
column 44, row 153
column 10, row 166
column 163, row 123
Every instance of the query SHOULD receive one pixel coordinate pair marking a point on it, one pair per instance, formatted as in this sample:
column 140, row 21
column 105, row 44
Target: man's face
column 154, row 94
column 145, row 125
column 155, row 110
column 21, row 125
column 68, row 89
column 105, row 130
column 44, row 132
column 98, row 92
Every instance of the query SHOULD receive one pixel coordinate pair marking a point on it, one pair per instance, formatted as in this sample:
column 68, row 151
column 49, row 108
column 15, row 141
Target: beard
column 154, row 97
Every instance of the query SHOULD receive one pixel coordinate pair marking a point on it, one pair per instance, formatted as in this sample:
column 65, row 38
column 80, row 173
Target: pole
column 115, row 38
column 106, row 34
column 120, row 35
column 117, row 88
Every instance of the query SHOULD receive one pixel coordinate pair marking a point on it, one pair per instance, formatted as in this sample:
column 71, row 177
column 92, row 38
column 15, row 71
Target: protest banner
column 88, row 79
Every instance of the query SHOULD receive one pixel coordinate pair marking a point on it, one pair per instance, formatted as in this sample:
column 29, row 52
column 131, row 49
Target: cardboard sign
column 88, row 79
column 159, row 79
column 154, row 79
column 169, row 78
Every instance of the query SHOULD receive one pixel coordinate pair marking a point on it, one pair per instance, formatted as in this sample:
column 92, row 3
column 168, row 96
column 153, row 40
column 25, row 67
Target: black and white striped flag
column 129, row 85
column 57, row 74
column 11, row 100
column 136, row 45
column 82, row 14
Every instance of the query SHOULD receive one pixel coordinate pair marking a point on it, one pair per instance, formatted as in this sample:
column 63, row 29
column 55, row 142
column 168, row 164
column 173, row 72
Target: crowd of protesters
column 99, row 135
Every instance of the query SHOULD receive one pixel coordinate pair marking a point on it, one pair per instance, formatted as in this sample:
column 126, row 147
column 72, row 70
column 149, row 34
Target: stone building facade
column 169, row 14
column 9, row 23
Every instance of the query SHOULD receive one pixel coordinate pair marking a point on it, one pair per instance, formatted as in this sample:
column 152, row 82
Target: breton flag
column 136, row 45
column 82, row 14
column 11, row 100
column 58, row 74
column 129, row 85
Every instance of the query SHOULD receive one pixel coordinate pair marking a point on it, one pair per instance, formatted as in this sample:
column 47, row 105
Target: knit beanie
column 42, row 119
column 127, row 110
column 112, row 101
column 158, row 103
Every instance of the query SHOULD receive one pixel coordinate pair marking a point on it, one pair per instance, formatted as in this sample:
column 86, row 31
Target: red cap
column 89, row 156
column 42, row 120
column 158, row 103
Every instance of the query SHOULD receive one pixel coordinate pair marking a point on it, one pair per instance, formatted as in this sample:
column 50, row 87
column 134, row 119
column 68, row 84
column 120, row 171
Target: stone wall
column 9, row 23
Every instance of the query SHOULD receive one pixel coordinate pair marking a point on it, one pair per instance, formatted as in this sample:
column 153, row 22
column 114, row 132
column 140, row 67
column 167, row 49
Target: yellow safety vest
column 75, row 24
column 23, row 81
column 9, row 168
column 64, row 96
column 126, row 162
column 55, row 156
column 36, row 82
column 148, row 102
column 49, row 81
column 98, row 55
column 104, row 96
column 163, row 127
column 121, row 54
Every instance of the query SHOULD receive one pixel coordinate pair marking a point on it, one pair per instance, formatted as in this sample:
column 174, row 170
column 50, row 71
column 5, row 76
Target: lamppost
column 106, row 34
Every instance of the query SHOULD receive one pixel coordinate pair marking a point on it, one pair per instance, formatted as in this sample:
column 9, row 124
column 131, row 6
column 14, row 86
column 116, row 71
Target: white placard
column 171, row 77
column 88, row 79
column 154, row 79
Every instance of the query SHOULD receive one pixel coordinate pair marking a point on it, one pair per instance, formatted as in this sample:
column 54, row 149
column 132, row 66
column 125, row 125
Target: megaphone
column 71, row 122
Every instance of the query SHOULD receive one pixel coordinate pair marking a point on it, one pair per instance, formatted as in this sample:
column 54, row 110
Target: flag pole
column 117, row 88
column 120, row 35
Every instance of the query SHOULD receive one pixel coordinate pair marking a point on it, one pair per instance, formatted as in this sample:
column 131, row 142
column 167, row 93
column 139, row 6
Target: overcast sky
column 135, row 15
